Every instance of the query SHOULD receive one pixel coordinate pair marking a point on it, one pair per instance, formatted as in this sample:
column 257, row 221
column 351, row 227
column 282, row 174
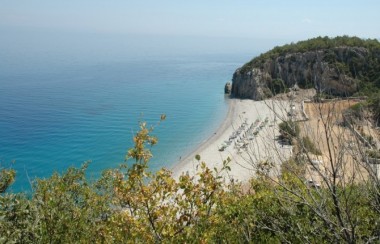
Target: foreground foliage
column 130, row 204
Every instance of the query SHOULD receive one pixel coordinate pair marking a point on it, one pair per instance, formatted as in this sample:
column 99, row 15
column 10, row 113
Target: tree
column 130, row 204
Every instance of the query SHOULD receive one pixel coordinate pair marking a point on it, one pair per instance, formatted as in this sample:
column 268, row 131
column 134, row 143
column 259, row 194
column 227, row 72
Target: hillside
column 312, row 167
column 340, row 66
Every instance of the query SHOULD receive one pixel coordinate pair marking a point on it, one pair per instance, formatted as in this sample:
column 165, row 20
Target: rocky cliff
column 338, row 70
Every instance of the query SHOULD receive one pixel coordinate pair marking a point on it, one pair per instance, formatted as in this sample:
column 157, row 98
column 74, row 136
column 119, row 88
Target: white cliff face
column 327, row 70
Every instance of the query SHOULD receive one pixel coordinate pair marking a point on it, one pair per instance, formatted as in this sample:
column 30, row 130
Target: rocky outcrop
column 228, row 88
column 251, row 84
column 333, row 71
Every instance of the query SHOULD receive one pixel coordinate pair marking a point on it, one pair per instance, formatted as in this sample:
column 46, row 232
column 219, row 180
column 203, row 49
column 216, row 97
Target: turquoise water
column 53, row 117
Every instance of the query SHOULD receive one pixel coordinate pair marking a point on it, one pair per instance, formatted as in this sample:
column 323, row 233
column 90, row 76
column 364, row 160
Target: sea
column 57, row 112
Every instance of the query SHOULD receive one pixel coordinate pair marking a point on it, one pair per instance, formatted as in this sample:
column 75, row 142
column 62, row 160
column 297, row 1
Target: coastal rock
column 228, row 88
column 328, row 70
column 251, row 84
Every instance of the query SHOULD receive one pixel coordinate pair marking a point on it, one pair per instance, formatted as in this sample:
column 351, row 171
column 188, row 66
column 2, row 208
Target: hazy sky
column 235, row 23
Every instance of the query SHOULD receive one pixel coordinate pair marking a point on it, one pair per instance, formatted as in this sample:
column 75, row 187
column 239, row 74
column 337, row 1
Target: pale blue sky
column 234, row 22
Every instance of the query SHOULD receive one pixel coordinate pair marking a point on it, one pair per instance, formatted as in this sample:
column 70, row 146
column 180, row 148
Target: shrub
column 357, row 110
column 374, row 105
column 289, row 130
column 373, row 153
column 308, row 146
column 277, row 86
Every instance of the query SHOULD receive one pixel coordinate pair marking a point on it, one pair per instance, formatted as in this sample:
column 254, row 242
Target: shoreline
column 225, row 123
column 248, row 135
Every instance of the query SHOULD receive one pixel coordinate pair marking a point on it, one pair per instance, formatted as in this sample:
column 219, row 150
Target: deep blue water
column 53, row 117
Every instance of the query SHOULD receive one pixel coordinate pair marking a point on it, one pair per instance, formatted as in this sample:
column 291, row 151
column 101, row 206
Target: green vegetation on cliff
column 341, row 66
column 315, row 44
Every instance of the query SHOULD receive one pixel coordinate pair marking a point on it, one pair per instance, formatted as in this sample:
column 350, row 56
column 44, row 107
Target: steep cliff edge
column 341, row 66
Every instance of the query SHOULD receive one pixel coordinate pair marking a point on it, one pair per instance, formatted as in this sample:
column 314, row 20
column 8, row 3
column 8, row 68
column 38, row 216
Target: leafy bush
column 277, row 86
column 308, row 146
column 132, row 205
column 357, row 110
column 7, row 177
column 374, row 104
column 373, row 153
column 289, row 130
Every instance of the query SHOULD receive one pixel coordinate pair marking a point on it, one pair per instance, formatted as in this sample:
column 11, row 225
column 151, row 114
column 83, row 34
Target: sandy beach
column 247, row 136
